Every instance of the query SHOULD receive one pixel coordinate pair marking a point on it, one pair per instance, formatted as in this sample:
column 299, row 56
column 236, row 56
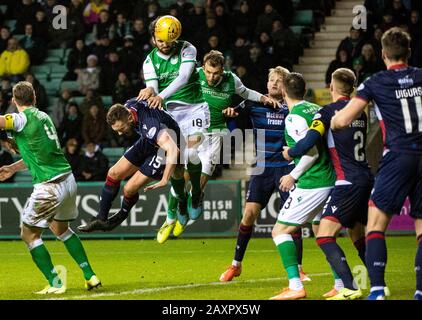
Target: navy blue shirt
column 347, row 146
column 272, row 121
column 397, row 95
column 149, row 122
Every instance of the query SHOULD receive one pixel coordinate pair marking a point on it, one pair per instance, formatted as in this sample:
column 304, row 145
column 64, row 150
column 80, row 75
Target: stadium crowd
column 253, row 35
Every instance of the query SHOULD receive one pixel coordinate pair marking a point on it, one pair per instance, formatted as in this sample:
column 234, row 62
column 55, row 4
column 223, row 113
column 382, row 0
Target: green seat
column 44, row 68
column 295, row 3
column 71, row 85
column 303, row 18
column 55, row 56
column 57, row 68
column 18, row 36
column 78, row 100
column 52, row 86
column 23, row 176
column 113, row 152
column 3, row 8
column 107, row 101
column 11, row 24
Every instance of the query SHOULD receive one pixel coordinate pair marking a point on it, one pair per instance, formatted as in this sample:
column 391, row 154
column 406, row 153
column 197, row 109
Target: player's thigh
column 395, row 180
column 418, row 227
column 153, row 165
column 303, row 205
column 260, row 188
column 67, row 191
column 192, row 119
column 347, row 205
column 126, row 165
column 280, row 172
column 328, row 228
column 136, row 182
column 415, row 195
column 59, row 227
column 209, row 153
column 41, row 207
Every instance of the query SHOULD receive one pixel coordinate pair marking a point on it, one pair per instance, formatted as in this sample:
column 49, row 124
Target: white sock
column 377, row 288
column 295, row 284
column 338, row 284
column 170, row 221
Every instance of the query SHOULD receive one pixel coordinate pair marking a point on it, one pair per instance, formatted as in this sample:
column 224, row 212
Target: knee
column 129, row 191
column 28, row 237
column 249, row 217
column 115, row 174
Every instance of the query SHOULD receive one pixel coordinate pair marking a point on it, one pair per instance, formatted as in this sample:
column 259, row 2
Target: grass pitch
column 189, row 269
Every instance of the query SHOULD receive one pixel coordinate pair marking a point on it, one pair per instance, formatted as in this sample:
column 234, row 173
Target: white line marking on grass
column 176, row 287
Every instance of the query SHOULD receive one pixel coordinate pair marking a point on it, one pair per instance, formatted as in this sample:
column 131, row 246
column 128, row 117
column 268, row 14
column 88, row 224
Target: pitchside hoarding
column 222, row 208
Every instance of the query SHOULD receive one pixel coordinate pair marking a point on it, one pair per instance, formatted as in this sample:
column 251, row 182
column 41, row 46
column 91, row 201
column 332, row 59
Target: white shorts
column 209, row 152
column 192, row 119
column 53, row 200
column 303, row 205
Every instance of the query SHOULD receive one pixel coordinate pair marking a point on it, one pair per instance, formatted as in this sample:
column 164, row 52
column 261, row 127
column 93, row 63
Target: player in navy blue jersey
column 397, row 96
column 270, row 163
column 159, row 141
column 347, row 205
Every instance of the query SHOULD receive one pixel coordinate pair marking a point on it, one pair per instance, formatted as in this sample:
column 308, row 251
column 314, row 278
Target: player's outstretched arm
column 7, row 171
column 166, row 142
column 345, row 117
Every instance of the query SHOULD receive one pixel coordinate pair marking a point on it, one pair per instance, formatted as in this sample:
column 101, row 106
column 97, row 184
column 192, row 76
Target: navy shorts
column 348, row 204
column 261, row 187
column 399, row 176
column 147, row 158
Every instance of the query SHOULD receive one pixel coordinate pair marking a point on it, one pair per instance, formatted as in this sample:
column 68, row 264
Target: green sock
column 74, row 247
column 287, row 251
column 172, row 206
column 195, row 171
column 178, row 187
column 42, row 259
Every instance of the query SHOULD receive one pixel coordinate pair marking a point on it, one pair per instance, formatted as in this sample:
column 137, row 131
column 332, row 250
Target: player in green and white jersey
column 218, row 88
column 173, row 82
column 53, row 202
column 310, row 183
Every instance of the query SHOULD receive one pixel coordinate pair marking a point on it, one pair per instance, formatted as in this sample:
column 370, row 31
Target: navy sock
column 336, row 258
column 108, row 194
column 360, row 246
column 243, row 237
column 418, row 264
column 376, row 257
column 297, row 239
column 129, row 202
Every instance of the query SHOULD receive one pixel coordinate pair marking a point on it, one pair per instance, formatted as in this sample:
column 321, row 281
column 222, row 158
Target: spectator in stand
column 375, row 9
column 94, row 164
column 353, row 43
column 6, row 88
column 76, row 10
column 131, row 58
column 34, row 46
column 40, row 93
column 123, row 90
column 14, row 61
column 211, row 28
column 266, row 43
column 399, row 12
column 241, row 50
column 5, row 35
column 415, row 31
column 141, row 35
column 41, row 25
column 48, row 7
column 342, row 60
column 286, row 45
column 89, row 78
column 60, row 109
column 194, row 21
column 73, row 156
column 265, row 20
column 6, row 105
column 90, row 99
column 94, row 127
column 244, row 20
column 153, row 11
column 122, row 29
column 76, row 60
column 109, row 73
column 101, row 48
column 104, row 28
column 223, row 18
column 376, row 41
column 92, row 12
column 5, row 159
column 70, row 128
column 25, row 13
column 371, row 64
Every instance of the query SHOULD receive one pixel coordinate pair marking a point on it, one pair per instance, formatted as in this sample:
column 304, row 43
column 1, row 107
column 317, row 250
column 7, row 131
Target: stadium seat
column 71, row 85
column 52, row 86
column 18, row 36
column 55, row 56
column 3, row 8
column 58, row 68
column 78, row 100
column 295, row 3
column 41, row 69
column 11, row 24
column 23, row 176
column 113, row 154
column 303, row 18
